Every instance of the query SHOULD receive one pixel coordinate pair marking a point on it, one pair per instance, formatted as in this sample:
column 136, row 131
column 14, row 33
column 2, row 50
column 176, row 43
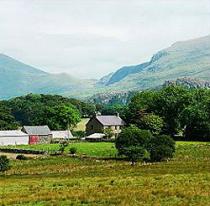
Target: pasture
column 62, row 180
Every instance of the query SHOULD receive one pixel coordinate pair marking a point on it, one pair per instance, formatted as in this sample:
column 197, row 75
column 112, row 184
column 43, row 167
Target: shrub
column 21, row 157
column 134, row 153
column 161, row 147
column 108, row 133
column 73, row 150
column 4, row 163
column 78, row 134
column 63, row 146
column 132, row 136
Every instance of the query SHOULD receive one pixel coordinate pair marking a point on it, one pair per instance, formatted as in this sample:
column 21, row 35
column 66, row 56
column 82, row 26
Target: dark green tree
column 152, row 122
column 161, row 147
column 7, row 120
column 131, row 137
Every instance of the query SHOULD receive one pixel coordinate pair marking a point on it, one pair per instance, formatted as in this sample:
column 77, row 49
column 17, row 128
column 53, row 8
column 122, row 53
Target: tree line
column 37, row 109
column 172, row 110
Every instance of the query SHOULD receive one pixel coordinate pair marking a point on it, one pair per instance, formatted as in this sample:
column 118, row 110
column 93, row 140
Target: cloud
column 94, row 37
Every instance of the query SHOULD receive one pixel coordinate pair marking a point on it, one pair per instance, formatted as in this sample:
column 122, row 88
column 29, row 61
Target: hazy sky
column 90, row 38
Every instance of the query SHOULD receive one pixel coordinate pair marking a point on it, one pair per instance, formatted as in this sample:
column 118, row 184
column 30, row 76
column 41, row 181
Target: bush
column 161, row 147
column 134, row 153
column 4, row 163
column 78, row 134
column 132, row 136
column 63, row 146
column 73, row 150
column 21, row 157
column 108, row 133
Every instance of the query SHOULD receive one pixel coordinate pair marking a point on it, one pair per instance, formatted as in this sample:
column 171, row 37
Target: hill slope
column 17, row 78
column 182, row 59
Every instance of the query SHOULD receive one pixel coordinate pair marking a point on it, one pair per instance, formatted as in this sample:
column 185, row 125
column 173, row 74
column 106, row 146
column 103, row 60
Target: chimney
column 117, row 114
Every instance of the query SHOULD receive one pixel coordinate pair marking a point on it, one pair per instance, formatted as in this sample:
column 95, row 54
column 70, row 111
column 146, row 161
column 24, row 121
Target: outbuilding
column 38, row 134
column 13, row 137
column 64, row 134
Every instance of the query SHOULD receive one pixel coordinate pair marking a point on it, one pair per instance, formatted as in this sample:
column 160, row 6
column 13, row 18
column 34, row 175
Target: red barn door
column 33, row 139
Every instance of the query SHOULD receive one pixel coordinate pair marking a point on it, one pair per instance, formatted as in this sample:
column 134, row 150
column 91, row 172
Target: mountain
column 185, row 59
column 17, row 78
column 182, row 59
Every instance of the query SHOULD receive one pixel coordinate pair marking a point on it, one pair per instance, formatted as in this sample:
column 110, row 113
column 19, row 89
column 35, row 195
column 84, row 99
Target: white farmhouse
column 13, row 137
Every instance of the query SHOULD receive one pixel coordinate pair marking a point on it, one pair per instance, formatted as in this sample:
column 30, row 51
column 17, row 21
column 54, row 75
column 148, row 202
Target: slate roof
column 37, row 130
column 12, row 133
column 110, row 120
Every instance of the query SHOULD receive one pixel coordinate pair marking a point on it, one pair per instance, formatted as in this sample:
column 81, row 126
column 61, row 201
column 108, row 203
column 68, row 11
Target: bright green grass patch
column 95, row 149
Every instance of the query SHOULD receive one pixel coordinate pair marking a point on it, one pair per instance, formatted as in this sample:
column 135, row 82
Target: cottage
column 66, row 134
column 13, row 137
column 98, row 123
column 38, row 134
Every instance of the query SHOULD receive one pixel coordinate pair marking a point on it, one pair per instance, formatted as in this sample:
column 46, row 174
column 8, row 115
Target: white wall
column 14, row 140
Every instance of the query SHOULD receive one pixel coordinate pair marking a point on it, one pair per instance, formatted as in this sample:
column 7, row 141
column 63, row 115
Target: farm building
column 13, row 137
column 96, row 137
column 98, row 123
column 66, row 134
column 38, row 134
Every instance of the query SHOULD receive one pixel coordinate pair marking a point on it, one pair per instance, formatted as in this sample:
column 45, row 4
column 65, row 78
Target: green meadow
column 63, row 180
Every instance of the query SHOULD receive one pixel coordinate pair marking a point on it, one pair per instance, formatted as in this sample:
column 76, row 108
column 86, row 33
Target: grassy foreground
column 185, row 180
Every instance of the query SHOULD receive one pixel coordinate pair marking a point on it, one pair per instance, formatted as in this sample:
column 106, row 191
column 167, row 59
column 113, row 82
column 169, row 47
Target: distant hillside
column 17, row 78
column 186, row 59
column 183, row 59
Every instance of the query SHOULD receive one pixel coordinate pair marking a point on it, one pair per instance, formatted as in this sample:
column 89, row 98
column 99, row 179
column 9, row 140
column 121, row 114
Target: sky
column 91, row 38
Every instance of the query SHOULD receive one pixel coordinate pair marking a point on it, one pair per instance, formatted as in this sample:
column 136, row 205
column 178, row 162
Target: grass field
column 102, row 149
column 185, row 180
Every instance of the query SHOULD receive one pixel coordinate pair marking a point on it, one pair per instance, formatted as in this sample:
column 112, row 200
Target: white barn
column 13, row 137
column 66, row 134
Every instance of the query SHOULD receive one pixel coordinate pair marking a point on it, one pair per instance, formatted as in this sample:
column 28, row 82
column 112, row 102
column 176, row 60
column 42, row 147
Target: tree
column 169, row 104
column 61, row 117
column 130, row 139
column 4, row 163
column 7, row 121
column 152, row 122
column 108, row 133
column 35, row 109
column 161, row 147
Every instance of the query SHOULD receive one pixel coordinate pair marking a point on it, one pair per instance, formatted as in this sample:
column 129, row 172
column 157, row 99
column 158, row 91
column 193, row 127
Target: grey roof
column 12, row 133
column 37, row 130
column 110, row 120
